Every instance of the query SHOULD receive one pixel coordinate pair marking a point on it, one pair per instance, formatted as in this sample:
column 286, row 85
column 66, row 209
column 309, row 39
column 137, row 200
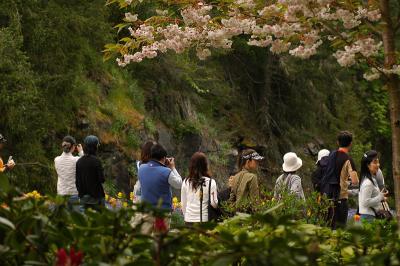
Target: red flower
column 160, row 225
column 74, row 258
column 62, row 257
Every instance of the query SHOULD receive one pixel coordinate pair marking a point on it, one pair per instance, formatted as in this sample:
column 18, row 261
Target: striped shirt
column 65, row 165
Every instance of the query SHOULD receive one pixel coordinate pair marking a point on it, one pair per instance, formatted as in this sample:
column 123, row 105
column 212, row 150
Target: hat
column 321, row 154
column 2, row 139
column 253, row 156
column 291, row 162
column 91, row 140
column 69, row 139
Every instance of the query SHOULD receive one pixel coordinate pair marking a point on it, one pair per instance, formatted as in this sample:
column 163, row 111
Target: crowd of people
column 81, row 178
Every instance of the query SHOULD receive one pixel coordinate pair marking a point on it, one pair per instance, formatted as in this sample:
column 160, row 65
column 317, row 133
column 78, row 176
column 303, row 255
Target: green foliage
column 32, row 230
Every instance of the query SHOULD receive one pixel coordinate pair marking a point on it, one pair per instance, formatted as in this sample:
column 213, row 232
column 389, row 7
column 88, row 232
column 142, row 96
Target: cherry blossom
column 298, row 27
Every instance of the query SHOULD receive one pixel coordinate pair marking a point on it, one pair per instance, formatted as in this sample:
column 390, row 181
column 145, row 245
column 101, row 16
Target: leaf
column 4, row 183
column 121, row 26
column 7, row 222
column 33, row 262
column 225, row 260
column 79, row 219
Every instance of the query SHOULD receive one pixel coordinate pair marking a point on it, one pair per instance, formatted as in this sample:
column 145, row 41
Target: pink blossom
column 374, row 15
column 279, row 46
column 202, row 54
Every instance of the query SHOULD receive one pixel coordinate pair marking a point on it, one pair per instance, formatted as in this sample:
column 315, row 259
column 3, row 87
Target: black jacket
column 89, row 177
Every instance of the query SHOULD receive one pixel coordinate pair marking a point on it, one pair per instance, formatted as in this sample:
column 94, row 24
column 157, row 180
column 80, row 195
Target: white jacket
column 369, row 196
column 65, row 165
column 191, row 200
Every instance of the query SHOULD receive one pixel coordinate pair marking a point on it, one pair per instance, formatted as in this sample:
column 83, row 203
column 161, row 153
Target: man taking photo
column 10, row 163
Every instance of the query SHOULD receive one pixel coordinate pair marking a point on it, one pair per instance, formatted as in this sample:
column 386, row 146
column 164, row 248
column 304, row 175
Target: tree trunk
column 394, row 103
column 393, row 87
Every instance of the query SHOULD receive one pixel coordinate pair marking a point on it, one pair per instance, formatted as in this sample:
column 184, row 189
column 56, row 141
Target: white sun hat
column 322, row 153
column 291, row 162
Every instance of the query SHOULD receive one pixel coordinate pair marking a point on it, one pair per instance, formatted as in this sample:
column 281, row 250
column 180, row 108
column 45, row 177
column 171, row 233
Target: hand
column 79, row 148
column 171, row 162
column 10, row 164
column 385, row 192
column 385, row 199
column 230, row 181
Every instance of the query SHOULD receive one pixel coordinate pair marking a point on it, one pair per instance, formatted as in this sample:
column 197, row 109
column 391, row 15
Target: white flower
column 130, row 18
column 372, row 75
column 202, row 54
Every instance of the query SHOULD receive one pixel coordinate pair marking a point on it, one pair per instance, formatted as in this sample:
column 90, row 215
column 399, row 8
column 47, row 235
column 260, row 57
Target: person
column 289, row 181
column 370, row 197
column 10, row 163
column 90, row 175
column 224, row 195
column 195, row 197
column 65, row 166
column 340, row 173
column 318, row 173
column 245, row 183
column 145, row 155
column 157, row 177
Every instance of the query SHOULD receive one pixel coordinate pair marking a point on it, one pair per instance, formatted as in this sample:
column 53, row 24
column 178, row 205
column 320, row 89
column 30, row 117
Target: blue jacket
column 153, row 178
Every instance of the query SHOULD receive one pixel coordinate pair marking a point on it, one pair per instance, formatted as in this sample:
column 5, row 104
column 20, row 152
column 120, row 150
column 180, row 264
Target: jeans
column 367, row 217
column 73, row 203
column 88, row 202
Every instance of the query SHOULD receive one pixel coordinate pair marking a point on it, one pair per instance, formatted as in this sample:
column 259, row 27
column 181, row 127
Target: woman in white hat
column 289, row 182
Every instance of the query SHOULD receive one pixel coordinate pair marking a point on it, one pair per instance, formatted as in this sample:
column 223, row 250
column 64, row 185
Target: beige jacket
column 244, row 187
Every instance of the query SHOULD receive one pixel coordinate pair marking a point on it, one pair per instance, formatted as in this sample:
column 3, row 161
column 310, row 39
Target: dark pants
column 88, row 202
column 337, row 215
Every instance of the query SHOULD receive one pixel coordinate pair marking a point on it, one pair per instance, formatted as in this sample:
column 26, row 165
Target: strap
column 209, row 192
column 288, row 180
column 373, row 209
column 201, row 202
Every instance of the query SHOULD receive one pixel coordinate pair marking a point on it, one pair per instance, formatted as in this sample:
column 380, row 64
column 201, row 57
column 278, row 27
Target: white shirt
column 65, row 165
column 191, row 200
column 175, row 179
column 369, row 196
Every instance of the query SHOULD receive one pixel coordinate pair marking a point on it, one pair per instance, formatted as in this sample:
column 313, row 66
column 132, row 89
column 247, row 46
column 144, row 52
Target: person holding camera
column 371, row 198
column 65, row 166
column 10, row 163
column 156, row 179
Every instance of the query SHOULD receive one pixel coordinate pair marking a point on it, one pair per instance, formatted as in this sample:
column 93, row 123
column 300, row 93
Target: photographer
column 156, row 179
column 10, row 163
column 65, row 166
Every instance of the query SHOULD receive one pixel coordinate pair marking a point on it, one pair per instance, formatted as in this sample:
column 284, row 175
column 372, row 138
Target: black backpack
column 330, row 182
column 318, row 174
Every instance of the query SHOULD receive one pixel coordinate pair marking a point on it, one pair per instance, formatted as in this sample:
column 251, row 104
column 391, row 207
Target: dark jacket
column 89, row 177
column 319, row 173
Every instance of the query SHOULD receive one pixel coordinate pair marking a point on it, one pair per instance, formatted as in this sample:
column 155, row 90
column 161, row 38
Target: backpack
column 318, row 174
column 330, row 182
